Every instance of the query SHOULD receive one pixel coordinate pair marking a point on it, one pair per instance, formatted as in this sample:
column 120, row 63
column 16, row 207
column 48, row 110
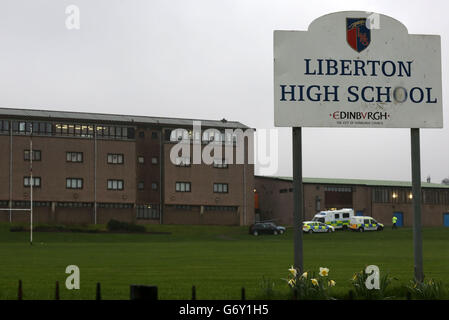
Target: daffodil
column 304, row 275
column 324, row 272
column 314, row 282
column 354, row 277
column 292, row 282
column 293, row 271
column 331, row 283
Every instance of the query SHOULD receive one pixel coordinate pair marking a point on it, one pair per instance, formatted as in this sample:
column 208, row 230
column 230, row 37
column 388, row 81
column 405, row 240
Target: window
column 147, row 211
column 141, row 159
column 154, row 186
column 36, row 182
column 22, row 127
column 154, row 160
column 141, row 134
column 183, row 187
column 337, row 216
column 4, row 126
column 220, row 187
column 140, row 185
column 115, row 184
column 36, row 155
column 114, row 158
column 345, row 215
column 220, row 163
column 154, row 135
column 74, row 157
column 74, row 183
column 382, row 195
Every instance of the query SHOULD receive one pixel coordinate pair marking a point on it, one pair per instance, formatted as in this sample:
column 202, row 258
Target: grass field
column 219, row 261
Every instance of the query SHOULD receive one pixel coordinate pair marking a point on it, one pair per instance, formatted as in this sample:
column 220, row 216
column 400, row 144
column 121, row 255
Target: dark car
column 266, row 228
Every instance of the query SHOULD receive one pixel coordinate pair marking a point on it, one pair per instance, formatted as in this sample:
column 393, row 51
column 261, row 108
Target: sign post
column 298, row 201
column 416, row 191
column 357, row 69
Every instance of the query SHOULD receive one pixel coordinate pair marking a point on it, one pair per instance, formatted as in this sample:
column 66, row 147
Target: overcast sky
column 202, row 59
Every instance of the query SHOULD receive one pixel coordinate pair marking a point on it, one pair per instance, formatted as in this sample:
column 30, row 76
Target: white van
column 339, row 219
column 365, row 223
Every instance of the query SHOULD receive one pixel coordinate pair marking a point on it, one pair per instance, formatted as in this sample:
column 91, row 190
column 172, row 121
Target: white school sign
column 357, row 69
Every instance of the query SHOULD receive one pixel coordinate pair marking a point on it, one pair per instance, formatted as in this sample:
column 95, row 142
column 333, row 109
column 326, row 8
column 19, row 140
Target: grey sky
column 201, row 59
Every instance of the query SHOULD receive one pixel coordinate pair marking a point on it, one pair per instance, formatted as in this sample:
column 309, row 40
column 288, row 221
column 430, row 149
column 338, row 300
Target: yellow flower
column 314, row 282
column 354, row 277
column 293, row 271
column 291, row 282
column 331, row 283
column 324, row 272
column 304, row 275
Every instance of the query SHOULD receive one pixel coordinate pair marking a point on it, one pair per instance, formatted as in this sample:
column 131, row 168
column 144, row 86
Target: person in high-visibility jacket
column 395, row 219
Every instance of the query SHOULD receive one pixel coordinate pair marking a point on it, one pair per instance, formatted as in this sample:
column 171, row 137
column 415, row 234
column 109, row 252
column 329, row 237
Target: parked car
column 266, row 228
column 365, row 223
column 314, row 226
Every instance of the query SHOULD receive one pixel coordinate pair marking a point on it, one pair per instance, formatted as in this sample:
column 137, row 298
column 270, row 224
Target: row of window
column 141, row 185
column 73, row 183
column 327, row 188
column 208, row 135
column 84, row 130
column 206, row 208
column 338, row 189
column 75, row 204
column 187, row 187
column 185, row 162
column 148, row 211
column 428, row 196
column 77, row 183
column 67, row 129
column 112, row 158
column 26, row 204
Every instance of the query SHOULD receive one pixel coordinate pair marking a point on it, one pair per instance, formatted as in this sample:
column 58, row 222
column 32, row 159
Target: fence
column 137, row 292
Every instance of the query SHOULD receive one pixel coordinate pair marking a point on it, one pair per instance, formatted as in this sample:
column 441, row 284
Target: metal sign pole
column 31, row 184
column 416, row 190
column 298, row 200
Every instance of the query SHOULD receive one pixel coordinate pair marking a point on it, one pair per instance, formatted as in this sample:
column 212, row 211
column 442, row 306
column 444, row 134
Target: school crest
column 358, row 35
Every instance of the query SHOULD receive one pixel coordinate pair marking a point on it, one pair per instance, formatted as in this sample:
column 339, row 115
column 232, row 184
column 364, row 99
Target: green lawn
column 217, row 260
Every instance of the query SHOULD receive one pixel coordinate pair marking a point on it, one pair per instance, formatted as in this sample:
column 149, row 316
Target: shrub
column 115, row 225
column 266, row 289
column 49, row 228
column 426, row 290
column 17, row 228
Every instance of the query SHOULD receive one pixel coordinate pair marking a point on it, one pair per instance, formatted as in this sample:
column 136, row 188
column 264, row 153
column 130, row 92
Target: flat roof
column 106, row 117
column 363, row 182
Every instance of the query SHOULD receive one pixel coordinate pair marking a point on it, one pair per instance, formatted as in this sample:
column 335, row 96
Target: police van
column 339, row 219
column 364, row 223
